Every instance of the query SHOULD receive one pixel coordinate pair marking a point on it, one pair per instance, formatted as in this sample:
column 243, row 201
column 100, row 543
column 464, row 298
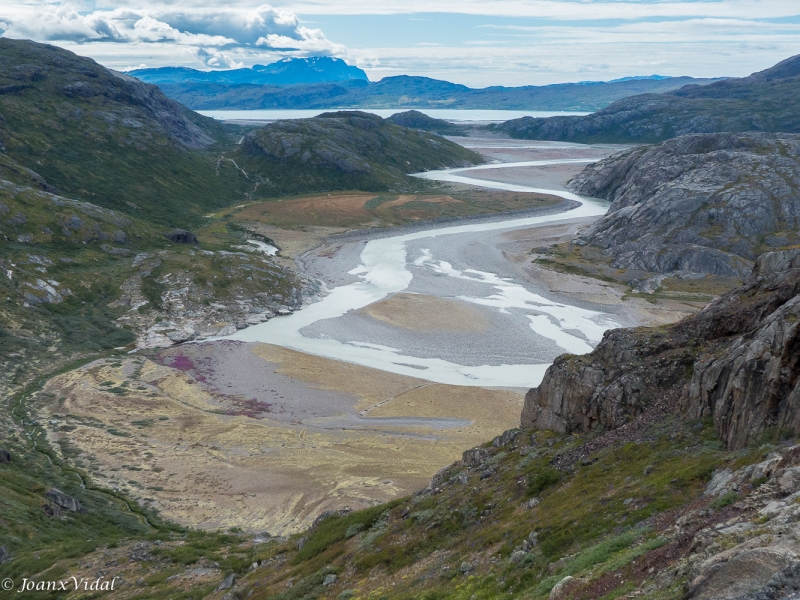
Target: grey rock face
column 699, row 203
column 62, row 500
column 475, row 457
column 737, row 361
column 227, row 583
column 739, row 571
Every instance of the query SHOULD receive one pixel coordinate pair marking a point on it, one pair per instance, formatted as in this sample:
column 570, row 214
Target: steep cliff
column 736, row 362
column 706, row 203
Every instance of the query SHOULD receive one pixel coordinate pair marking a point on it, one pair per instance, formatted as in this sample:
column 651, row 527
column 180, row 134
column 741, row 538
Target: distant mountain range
column 322, row 82
column 284, row 72
column 767, row 101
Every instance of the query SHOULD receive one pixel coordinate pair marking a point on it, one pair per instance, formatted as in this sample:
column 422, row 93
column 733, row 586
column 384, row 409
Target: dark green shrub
column 541, row 480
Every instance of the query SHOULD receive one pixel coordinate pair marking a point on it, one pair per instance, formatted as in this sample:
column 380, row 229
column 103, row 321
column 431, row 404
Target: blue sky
column 502, row 42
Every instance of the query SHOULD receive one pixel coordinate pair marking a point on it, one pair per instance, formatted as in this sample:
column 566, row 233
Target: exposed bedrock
column 737, row 361
column 706, row 203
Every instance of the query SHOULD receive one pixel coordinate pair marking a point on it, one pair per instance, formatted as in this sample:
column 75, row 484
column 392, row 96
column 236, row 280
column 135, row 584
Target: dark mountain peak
column 314, row 69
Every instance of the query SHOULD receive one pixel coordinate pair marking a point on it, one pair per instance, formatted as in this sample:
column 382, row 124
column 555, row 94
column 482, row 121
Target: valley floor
column 251, row 435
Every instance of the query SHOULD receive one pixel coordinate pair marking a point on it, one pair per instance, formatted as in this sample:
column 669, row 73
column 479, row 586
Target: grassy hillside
column 597, row 518
column 765, row 101
column 108, row 138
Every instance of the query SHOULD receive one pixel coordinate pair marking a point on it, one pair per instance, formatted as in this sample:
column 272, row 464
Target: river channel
column 497, row 329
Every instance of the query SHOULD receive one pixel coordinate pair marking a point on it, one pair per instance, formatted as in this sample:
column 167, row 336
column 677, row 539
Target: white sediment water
column 267, row 249
column 384, row 270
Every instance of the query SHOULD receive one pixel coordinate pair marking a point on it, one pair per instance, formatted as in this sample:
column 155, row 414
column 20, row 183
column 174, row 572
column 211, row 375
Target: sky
column 476, row 43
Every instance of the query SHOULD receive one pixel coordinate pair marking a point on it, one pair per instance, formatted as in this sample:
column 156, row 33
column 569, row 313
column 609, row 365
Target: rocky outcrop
column 737, row 362
column 64, row 501
column 699, row 204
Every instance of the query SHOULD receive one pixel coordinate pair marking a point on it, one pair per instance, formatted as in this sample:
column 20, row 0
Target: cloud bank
column 215, row 37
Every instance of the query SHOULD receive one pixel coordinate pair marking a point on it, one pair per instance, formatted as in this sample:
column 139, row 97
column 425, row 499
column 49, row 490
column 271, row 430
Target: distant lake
column 455, row 116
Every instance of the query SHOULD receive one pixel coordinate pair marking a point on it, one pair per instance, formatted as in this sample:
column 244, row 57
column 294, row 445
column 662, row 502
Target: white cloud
column 553, row 9
column 311, row 41
column 215, row 59
column 213, row 36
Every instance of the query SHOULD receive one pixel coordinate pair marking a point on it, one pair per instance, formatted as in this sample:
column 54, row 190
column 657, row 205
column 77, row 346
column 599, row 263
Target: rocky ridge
column 736, row 362
column 703, row 204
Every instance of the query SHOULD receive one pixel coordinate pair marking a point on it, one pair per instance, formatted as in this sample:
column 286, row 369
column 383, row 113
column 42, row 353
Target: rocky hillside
column 707, row 204
column 343, row 150
column 77, row 277
column 764, row 101
column 736, row 362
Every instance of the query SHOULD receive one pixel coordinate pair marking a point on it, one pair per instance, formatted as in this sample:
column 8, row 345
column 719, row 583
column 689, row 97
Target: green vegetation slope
column 109, row 139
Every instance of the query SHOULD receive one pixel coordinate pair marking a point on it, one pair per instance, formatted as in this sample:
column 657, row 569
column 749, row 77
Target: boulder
column 739, row 571
column 227, row 583
column 561, row 589
column 182, row 236
column 64, row 501
column 475, row 457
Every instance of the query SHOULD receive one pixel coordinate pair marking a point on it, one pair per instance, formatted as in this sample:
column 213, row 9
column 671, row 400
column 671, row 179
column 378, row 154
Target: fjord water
column 453, row 115
column 385, row 269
